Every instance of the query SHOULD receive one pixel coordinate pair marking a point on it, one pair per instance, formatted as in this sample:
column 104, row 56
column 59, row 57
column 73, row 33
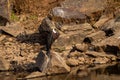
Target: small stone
column 2, row 37
column 72, row 62
column 81, row 59
column 10, row 39
column 81, row 47
column 75, row 54
column 102, row 60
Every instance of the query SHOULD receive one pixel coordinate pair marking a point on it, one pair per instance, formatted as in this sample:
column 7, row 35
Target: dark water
column 101, row 72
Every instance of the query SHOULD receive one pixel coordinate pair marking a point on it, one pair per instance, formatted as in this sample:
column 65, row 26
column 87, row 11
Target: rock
column 81, row 47
column 4, row 65
column 75, row 54
column 85, row 28
column 2, row 37
column 35, row 75
column 7, row 76
column 101, row 57
column 72, row 62
column 101, row 21
column 55, row 65
column 112, row 25
column 102, row 60
column 95, row 37
column 42, row 61
column 73, row 34
column 81, row 60
column 66, row 15
column 98, row 54
column 91, row 8
column 4, row 12
column 85, row 6
column 110, row 45
column 13, row 29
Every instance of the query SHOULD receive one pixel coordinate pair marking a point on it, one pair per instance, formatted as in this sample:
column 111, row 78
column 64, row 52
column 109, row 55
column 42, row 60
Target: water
column 99, row 72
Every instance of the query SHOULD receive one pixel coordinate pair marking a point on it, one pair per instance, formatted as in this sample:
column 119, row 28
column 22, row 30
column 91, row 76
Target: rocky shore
column 89, row 35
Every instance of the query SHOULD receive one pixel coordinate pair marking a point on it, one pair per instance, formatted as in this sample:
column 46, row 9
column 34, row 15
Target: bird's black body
column 50, row 33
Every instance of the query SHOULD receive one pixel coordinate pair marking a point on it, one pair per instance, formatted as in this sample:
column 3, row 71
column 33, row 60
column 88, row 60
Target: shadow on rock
column 31, row 38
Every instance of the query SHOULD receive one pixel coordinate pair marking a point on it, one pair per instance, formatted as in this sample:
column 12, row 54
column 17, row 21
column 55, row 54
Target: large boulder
column 66, row 15
column 92, row 8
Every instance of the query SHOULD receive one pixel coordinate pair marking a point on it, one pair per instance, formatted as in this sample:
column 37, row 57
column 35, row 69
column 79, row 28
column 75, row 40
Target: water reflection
column 111, row 72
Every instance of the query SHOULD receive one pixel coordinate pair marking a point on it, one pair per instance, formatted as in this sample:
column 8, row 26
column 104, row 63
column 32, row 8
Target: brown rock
column 85, row 6
column 81, row 47
column 98, row 54
column 54, row 65
column 2, row 37
column 110, row 45
column 81, row 60
column 101, row 60
column 72, row 62
column 57, row 65
column 73, row 34
column 13, row 29
column 35, row 75
column 112, row 25
column 4, row 65
column 101, row 21
column 4, row 12
column 75, row 54
column 75, row 28
column 95, row 37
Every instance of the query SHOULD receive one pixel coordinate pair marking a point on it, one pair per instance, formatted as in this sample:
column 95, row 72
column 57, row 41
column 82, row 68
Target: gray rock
column 66, row 15
column 42, row 61
column 92, row 8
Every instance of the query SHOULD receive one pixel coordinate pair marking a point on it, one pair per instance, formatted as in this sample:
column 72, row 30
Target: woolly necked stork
column 50, row 32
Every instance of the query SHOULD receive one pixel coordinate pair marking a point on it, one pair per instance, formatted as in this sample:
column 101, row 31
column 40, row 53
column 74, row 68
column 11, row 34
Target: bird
column 51, row 33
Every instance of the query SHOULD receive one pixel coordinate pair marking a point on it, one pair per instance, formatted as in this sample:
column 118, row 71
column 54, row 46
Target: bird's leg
column 52, row 36
column 50, row 40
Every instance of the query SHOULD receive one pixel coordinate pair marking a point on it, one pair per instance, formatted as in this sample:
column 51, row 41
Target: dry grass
column 33, row 6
